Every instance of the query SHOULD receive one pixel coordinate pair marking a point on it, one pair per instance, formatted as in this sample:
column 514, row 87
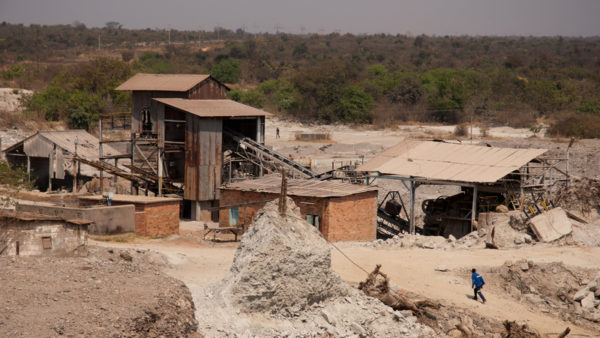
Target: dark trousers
column 476, row 291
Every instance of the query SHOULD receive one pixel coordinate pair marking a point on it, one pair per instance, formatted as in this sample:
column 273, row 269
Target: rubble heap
column 281, row 284
column 582, row 195
column 553, row 287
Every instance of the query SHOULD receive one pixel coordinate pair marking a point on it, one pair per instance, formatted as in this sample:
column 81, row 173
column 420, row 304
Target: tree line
column 379, row 79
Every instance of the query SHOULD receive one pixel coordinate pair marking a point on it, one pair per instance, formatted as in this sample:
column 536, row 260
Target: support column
column 28, row 169
column 474, row 207
column 160, row 172
column 201, row 211
column 100, row 158
column 412, row 207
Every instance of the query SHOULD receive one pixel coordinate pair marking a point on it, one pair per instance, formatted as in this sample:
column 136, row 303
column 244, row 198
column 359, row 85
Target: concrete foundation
column 106, row 220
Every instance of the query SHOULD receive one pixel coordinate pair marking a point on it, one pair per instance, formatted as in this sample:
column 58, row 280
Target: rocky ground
column 109, row 293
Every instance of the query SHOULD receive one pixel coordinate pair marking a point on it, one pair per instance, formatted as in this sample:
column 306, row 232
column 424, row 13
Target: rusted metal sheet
column 450, row 162
column 296, row 187
column 208, row 89
column 203, row 158
column 162, row 82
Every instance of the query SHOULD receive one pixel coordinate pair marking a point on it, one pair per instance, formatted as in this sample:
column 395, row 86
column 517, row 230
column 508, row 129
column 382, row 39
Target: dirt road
column 411, row 269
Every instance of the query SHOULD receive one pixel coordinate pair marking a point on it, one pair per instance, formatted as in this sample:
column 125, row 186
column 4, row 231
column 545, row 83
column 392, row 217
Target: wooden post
column 101, row 155
column 283, row 195
column 412, row 207
column 160, row 172
column 28, row 169
column 474, row 207
column 50, row 171
column 134, row 188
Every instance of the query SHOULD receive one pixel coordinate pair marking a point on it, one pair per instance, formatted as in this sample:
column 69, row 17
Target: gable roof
column 297, row 187
column 87, row 144
column 163, row 82
column 212, row 108
column 450, row 162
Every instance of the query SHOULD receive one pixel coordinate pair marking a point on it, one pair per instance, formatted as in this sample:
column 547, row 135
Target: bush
column 576, row 125
column 461, row 130
column 14, row 177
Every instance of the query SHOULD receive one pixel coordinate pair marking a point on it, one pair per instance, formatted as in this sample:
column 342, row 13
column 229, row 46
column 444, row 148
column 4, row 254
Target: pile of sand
column 281, row 284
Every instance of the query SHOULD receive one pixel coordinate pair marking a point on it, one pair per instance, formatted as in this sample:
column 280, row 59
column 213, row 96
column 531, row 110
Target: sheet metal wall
column 141, row 99
column 203, row 158
column 208, row 89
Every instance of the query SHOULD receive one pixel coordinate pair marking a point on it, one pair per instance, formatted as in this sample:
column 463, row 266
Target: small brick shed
column 154, row 216
column 29, row 234
column 341, row 211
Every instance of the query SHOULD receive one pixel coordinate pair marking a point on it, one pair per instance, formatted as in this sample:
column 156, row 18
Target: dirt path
column 411, row 269
column 414, row 270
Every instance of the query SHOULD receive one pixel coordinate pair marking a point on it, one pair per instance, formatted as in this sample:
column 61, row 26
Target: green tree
column 227, row 70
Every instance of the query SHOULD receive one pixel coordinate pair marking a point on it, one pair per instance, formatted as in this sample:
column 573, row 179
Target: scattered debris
column 553, row 287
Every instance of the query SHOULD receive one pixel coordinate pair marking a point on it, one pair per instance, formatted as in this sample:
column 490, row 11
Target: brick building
column 341, row 211
column 154, row 216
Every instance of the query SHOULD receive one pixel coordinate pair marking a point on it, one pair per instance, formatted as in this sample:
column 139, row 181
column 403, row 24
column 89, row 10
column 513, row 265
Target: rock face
column 282, row 265
column 281, row 284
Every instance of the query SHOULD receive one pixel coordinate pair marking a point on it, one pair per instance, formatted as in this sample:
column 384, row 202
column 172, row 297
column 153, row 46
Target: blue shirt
column 477, row 280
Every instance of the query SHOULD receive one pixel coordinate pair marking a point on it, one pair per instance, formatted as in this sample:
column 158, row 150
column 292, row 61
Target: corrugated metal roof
column 88, row 146
column 212, row 108
column 40, row 145
column 450, row 162
column 163, row 82
column 296, row 187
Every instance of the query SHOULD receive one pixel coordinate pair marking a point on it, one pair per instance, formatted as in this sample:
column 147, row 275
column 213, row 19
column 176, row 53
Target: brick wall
column 158, row 219
column 351, row 218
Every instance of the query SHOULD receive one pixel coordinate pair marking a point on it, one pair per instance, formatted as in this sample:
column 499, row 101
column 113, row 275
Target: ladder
column 259, row 153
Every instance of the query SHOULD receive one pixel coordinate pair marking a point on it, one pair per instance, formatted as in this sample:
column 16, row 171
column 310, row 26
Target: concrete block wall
column 66, row 239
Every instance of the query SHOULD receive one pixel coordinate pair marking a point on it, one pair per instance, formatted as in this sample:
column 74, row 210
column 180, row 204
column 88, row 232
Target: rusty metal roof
column 163, row 82
column 212, row 108
column 297, row 187
column 450, row 162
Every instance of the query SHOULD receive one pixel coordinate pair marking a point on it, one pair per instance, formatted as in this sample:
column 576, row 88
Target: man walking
column 477, row 284
column 277, row 132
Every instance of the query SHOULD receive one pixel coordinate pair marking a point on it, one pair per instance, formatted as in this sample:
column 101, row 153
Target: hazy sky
column 433, row 17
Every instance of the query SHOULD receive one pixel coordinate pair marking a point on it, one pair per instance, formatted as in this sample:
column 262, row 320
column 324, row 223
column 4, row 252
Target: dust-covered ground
column 109, row 293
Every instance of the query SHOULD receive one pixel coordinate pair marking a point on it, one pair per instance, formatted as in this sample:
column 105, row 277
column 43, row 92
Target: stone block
column 551, row 225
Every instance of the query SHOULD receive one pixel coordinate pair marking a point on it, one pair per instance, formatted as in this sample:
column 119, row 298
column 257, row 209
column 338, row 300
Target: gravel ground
column 110, row 293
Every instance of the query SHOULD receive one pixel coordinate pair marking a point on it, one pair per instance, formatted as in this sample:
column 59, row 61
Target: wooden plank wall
column 203, row 158
column 208, row 89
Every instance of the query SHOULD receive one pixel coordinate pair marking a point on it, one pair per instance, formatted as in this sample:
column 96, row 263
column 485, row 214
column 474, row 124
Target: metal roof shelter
column 57, row 148
column 297, row 187
column 212, row 108
column 428, row 162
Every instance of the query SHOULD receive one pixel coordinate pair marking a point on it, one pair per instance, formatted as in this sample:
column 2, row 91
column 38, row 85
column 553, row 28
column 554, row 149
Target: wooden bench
column 234, row 230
